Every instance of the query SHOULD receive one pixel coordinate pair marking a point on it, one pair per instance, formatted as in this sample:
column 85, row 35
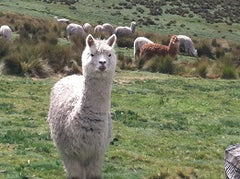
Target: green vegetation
column 164, row 127
column 177, row 17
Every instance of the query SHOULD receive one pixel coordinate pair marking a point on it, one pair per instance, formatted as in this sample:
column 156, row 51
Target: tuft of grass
column 229, row 72
column 160, row 64
column 202, row 67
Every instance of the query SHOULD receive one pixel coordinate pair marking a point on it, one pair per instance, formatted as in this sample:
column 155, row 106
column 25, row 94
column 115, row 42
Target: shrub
column 202, row 66
column 125, row 62
column 11, row 65
column 125, row 41
column 227, row 67
column 4, row 48
column 36, row 68
column 220, row 52
column 204, row 49
column 229, row 72
column 160, row 64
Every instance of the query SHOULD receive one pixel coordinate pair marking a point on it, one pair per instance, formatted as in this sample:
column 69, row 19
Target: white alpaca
column 108, row 28
column 125, row 30
column 105, row 29
column 79, row 113
column 87, row 27
column 62, row 20
column 6, row 32
column 138, row 43
column 75, row 29
column 186, row 45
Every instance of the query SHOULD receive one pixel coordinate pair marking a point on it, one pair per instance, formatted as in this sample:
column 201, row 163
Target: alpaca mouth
column 102, row 68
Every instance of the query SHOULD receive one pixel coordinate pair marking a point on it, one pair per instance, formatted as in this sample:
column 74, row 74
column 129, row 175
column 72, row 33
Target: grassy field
column 164, row 127
column 85, row 11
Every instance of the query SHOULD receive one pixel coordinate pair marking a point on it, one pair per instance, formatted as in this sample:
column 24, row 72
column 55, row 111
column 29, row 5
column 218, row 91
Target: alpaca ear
column 112, row 40
column 89, row 40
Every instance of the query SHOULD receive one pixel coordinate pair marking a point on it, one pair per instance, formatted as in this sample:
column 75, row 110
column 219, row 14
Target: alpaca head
column 98, row 57
column 195, row 53
column 174, row 40
column 133, row 26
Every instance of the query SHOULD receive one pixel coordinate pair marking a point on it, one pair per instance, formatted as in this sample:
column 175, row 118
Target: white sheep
column 87, row 27
column 138, row 43
column 62, row 20
column 187, row 46
column 125, row 30
column 79, row 113
column 105, row 29
column 6, row 32
column 108, row 28
column 75, row 29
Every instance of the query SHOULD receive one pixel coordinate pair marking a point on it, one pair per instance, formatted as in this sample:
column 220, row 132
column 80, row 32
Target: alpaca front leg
column 93, row 170
column 74, row 169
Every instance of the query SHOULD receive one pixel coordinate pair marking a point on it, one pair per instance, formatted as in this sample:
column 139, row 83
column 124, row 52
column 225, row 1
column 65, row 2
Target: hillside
column 218, row 19
column 165, row 126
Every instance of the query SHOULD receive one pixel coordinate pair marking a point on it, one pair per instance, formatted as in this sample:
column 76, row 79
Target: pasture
column 164, row 127
column 119, row 12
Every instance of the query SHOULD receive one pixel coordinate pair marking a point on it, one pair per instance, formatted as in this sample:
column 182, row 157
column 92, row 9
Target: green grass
column 86, row 12
column 164, row 126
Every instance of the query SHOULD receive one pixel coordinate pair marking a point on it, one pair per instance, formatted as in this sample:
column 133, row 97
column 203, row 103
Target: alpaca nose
column 102, row 62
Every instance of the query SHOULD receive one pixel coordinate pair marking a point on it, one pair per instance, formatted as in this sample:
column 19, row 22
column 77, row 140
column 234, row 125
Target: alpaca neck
column 132, row 28
column 173, row 49
column 97, row 94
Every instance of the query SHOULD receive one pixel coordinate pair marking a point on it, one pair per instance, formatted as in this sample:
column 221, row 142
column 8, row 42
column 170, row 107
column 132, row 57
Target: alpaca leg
column 74, row 169
column 93, row 170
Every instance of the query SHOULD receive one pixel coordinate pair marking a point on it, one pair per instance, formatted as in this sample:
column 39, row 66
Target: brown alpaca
column 149, row 50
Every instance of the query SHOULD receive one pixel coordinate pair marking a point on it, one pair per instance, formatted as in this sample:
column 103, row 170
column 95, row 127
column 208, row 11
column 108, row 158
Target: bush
column 125, row 41
column 204, row 49
column 202, row 66
column 4, row 48
column 229, row 72
column 11, row 65
column 227, row 67
column 160, row 64
column 125, row 62
column 36, row 68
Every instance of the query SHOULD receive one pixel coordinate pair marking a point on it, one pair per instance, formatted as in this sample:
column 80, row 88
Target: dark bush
column 160, row 64
column 204, row 49
column 125, row 41
column 4, row 48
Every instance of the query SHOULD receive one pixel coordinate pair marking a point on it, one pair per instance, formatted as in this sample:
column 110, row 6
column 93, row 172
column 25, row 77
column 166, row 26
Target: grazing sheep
column 79, row 113
column 62, row 20
column 186, row 45
column 108, row 28
column 125, row 31
column 6, row 32
column 98, row 29
column 105, row 30
column 75, row 29
column 149, row 50
column 87, row 27
column 138, row 43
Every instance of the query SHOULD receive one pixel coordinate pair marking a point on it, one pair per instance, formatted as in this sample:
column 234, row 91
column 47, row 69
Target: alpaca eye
column 92, row 55
column 109, row 55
